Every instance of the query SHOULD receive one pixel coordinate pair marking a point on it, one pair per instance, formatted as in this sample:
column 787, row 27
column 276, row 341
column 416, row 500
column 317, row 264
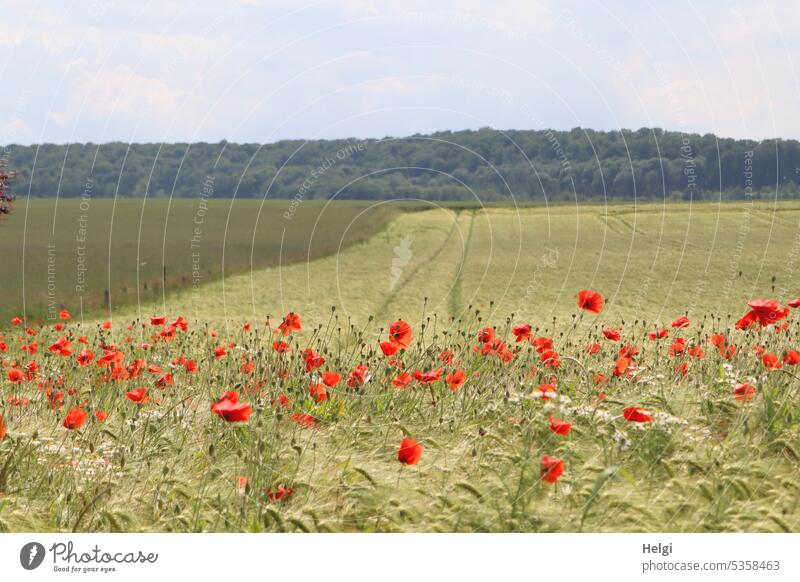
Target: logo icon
column 31, row 555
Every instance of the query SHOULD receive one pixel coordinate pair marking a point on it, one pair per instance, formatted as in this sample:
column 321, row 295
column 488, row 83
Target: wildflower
column 522, row 332
column 744, row 392
column 75, row 418
column 402, row 380
column 85, row 357
column 551, row 468
column 409, row 452
column 280, row 493
column 611, row 334
column 139, row 396
column 290, row 323
column 681, row 322
column 657, row 334
column 428, row 377
column 455, row 380
column 762, row 311
column 486, row 335
column 317, row 392
column 400, row 333
column 591, row 301
column 637, row 414
column 389, row 348
column 229, row 408
column 560, row 427
column 331, row 379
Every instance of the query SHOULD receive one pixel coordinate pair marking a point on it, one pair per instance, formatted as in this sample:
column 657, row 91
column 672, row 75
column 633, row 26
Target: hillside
column 487, row 164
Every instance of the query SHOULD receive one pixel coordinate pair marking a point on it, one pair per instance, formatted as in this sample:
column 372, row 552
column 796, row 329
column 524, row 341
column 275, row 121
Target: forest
column 485, row 164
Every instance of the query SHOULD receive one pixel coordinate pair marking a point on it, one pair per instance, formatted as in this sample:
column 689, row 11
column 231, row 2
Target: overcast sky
column 264, row 70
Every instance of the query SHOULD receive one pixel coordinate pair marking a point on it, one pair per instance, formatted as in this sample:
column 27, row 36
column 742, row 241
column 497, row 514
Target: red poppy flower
column 220, row 352
column 795, row 303
column 164, row 381
column 611, row 334
column 331, row 379
column 717, row 340
column 455, row 380
column 764, row 312
column 678, row 346
column 593, row 349
column 190, row 366
column 317, row 392
column 389, row 348
column 771, row 362
column 409, row 452
column 400, row 333
column 791, row 357
column 428, row 377
column 290, row 323
column 158, row 320
column 552, row 468
column 85, row 357
column 744, row 392
column 658, row 334
column 2, row 429
column 305, row 420
column 280, row 493
column 229, row 408
column 106, row 325
column 75, row 418
column 101, row 415
column 282, row 401
column 446, row 356
column 542, row 344
column 62, row 347
column 16, row 321
column 550, row 359
column 281, row 347
column 486, row 335
column 681, row 322
column 545, row 391
column 591, row 301
column 622, row 365
column 561, row 427
column 522, row 332
column 637, row 414
column 64, row 315
column 313, row 360
column 15, row 375
column 358, row 377
column 139, row 396
column 696, row 351
column 402, row 380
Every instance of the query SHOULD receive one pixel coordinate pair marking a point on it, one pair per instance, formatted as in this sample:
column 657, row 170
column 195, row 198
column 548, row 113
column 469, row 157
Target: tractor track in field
column 392, row 295
column 455, row 291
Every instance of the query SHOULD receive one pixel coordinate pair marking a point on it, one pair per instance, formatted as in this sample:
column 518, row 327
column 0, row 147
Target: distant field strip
column 705, row 258
column 67, row 253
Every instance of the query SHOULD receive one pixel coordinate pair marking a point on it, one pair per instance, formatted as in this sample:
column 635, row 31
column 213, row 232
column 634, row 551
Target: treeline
column 487, row 164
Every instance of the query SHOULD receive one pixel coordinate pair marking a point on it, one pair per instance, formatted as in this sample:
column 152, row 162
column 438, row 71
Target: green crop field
column 581, row 421
column 652, row 262
column 66, row 253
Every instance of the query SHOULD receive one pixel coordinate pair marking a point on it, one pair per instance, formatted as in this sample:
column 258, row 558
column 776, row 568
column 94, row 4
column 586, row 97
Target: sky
column 262, row 71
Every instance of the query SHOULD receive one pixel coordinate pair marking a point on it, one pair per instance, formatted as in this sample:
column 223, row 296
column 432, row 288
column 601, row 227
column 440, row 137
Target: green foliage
column 543, row 165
